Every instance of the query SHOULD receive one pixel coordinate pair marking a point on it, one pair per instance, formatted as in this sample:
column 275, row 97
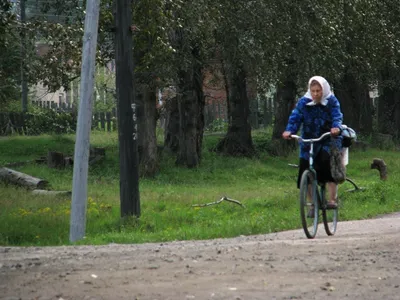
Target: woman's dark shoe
column 311, row 212
column 331, row 205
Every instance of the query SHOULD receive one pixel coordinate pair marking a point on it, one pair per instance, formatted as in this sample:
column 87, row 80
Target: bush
column 50, row 121
column 217, row 125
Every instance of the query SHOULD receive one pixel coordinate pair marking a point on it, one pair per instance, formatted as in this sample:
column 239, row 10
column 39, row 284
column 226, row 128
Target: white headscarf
column 326, row 90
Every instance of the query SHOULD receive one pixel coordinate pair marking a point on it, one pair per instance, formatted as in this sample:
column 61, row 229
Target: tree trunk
column 224, row 73
column 147, row 142
column 366, row 110
column 238, row 141
column 171, row 133
column 355, row 104
column 146, row 111
column 191, row 115
column 284, row 102
column 389, row 108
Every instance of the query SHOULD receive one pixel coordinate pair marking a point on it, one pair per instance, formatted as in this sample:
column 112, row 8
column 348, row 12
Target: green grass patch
column 265, row 185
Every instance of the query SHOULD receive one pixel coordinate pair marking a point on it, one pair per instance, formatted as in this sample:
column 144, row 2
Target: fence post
column 102, row 121
column 114, row 117
column 2, row 123
column 108, row 118
column 21, row 121
column 95, row 124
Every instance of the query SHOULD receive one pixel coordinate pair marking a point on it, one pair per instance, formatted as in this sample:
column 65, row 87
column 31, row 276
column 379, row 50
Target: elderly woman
column 319, row 112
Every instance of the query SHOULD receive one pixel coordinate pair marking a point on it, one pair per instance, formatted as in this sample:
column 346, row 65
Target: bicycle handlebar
column 299, row 138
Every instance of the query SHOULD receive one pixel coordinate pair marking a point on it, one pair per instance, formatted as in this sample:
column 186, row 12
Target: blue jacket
column 315, row 120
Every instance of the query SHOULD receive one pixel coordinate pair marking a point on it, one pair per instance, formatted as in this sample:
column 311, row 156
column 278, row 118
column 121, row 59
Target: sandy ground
column 360, row 262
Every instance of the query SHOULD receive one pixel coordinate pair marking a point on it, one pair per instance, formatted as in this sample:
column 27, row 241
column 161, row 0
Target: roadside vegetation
column 265, row 185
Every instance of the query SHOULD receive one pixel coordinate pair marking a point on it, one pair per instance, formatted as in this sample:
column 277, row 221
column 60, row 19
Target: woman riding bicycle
column 318, row 111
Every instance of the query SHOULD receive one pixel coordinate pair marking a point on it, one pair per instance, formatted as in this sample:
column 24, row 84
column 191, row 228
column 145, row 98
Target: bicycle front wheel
column 308, row 207
column 330, row 217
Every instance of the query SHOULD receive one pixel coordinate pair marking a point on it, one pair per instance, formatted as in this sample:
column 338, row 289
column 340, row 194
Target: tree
column 191, row 38
column 238, row 141
column 191, row 116
column 352, row 87
column 9, row 57
column 152, row 53
column 306, row 44
column 237, row 39
column 388, row 24
column 58, row 25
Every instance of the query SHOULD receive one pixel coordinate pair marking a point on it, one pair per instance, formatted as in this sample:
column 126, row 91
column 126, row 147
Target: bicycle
column 309, row 211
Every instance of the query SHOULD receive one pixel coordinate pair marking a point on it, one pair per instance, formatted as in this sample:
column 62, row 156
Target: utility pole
column 127, row 120
column 24, row 84
column 82, row 143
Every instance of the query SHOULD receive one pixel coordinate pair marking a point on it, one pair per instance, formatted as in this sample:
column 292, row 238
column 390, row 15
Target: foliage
column 217, row 125
column 10, row 63
column 60, row 62
column 56, row 26
column 271, row 39
column 42, row 121
column 266, row 186
column 325, row 37
column 105, row 97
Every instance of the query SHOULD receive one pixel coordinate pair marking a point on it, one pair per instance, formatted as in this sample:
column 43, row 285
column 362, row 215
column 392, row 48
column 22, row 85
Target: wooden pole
column 127, row 125
column 82, row 144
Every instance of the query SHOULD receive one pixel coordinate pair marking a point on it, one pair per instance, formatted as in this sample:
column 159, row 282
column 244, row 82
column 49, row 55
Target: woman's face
column 316, row 92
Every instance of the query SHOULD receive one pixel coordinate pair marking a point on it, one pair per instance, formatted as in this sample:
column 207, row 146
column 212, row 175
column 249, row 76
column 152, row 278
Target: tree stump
column 380, row 165
column 55, row 160
column 69, row 161
column 97, row 151
column 96, row 154
column 21, row 179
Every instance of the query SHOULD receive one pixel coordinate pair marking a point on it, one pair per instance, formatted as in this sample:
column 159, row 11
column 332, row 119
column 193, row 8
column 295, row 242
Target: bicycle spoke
column 329, row 216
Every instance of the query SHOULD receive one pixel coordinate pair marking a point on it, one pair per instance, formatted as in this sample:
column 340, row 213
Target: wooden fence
column 54, row 105
column 11, row 123
column 17, row 123
column 106, row 121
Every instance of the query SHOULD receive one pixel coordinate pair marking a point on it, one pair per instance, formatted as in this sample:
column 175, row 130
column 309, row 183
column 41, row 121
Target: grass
column 265, row 185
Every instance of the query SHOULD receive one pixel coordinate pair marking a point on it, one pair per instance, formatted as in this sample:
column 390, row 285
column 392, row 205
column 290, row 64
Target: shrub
column 217, row 125
column 50, row 121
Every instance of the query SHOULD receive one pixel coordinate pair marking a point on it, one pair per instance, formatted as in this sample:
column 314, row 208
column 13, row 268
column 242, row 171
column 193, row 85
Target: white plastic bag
column 345, row 156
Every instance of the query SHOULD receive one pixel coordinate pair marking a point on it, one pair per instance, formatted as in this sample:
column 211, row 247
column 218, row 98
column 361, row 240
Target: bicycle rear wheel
column 330, row 218
column 308, row 208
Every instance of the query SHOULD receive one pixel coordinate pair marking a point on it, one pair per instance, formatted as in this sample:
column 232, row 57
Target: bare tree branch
column 219, row 201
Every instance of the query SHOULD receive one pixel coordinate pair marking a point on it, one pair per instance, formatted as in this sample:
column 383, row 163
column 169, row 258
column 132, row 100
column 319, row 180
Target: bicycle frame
column 311, row 163
column 311, row 141
column 317, row 194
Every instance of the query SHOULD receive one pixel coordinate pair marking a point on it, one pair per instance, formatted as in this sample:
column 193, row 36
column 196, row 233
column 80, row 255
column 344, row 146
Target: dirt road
column 360, row 262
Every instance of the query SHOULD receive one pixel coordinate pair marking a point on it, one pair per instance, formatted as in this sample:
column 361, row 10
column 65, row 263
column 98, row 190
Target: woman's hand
column 286, row 135
column 335, row 131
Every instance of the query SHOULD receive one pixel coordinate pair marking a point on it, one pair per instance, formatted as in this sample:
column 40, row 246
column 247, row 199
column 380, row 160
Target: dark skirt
column 322, row 166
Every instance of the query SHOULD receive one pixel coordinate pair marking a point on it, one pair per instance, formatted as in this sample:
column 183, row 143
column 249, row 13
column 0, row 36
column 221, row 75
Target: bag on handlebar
column 349, row 135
